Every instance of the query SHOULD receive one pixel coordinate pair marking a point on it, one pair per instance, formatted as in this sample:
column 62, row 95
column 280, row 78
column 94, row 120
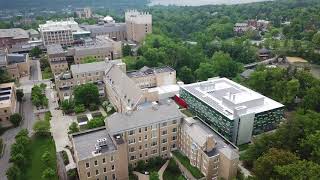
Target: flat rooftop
column 105, row 28
column 16, row 58
column 14, row 33
column 54, row 49
column 199, row 133
column 85, row 142
column 121, row 122
column 230, row 98
column 88, row 67
column 146, row 71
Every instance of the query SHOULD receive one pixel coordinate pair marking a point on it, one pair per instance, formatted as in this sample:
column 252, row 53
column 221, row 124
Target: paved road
column 27, row 113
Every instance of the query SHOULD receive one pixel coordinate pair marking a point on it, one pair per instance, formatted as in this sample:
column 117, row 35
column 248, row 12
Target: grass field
column 39, row 145
column 186, row 163
column 172, row 171
column 47, row 74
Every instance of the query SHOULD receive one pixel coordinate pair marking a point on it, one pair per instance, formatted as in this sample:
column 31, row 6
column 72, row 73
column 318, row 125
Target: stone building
column 8, row 102
column 13, row 37
column 17, row 65
column 139, row 24
column 57, row 58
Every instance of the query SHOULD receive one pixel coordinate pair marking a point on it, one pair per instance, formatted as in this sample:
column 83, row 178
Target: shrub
column 93, row 107
column 48, row 173
column 15, row 119
column 154, row 176
column 65, row 157
column 79, row 108
column 19, row 94
column 73, row 128
column 141, row 166
column 42, row 128
column 72, row 174
column 95, row 122
column 67, row 106
column 47, row 116
column 46, row 157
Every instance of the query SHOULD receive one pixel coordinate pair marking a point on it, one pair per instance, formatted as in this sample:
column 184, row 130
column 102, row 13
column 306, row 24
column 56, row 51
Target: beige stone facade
column 57, row 59
column 7, row 103
column 139, row 24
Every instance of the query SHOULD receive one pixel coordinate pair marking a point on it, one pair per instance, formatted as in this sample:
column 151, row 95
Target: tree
column 312, row 99
column 205, row 71
column 4, row 76
column 292, row 87
column 299, row 170
column 86, row 94
column 19, row 160
column 46, row 156
column 316, row 39
column 19, row 94
column 48, row 173
column 224, row 66
column 41, row 128
column 186, row 75
column 141, row 166
column 67, row 106
column 38, row 97
column 265, row 166
column 73, row 128
column 44, row 62
column 79, row 108
column 15, row 119
column 311, row 146
column 154, row 176
column 13, row 173
column 35, row 52
column 126, row 50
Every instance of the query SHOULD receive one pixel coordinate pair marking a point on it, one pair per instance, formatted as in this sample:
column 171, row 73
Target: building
column 100, row 156
column 13, row 37
column 65, row 33
column 139, row 24
column 298, row 63
column 7, row 103
column 148, row 133
column 136, row 89
column 17, row 65
column 115, row 31
column 82, row 74
column 264, row 54
column 57, row 58
column 84, row 13
column 101, row 47
column 207, row 151
column 33, row 34
column 231, row 109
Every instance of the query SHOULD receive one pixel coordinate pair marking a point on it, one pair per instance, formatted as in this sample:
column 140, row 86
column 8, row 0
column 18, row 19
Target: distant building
column 33, row 34
column 101, row 47
column 264, row 54
column 61, row 32
column 298, row 63
column 12, row 37
column 231, row 109
column 84, row 13
column 139, row 24
column 115, row 31
column 17, row 65
column 7, row 103
column 106, row 153
column 57, row 58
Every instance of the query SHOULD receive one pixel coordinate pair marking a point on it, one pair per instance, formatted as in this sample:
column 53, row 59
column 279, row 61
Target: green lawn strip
column 39, row 146
column 170, row 173
column 46, row 73
column 186, row 163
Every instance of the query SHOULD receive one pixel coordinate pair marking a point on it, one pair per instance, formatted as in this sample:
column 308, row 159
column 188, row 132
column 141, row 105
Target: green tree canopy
column 15, row 119
column 86, row 94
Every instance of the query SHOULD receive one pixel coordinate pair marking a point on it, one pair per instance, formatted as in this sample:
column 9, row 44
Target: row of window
column 145, row 129
column 105, row 178
column 96, row 162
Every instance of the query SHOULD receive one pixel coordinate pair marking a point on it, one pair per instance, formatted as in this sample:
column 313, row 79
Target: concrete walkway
column 141, row 176
column 245, row 171
column 162, row 169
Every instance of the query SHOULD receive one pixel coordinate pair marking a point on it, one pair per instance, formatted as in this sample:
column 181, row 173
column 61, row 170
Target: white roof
column 230, row 98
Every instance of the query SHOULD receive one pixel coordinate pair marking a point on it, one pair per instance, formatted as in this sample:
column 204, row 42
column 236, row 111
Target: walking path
column 162, row 169
column 141, row 176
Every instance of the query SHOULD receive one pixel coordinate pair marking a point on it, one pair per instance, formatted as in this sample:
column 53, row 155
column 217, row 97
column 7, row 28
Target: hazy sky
column 200, row 2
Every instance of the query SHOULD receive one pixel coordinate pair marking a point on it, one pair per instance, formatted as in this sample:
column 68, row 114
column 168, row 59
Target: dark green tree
column 15, row 119
column 86, row 94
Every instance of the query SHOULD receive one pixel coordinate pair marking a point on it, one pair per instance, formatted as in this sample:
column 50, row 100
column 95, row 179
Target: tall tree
column 86, row 94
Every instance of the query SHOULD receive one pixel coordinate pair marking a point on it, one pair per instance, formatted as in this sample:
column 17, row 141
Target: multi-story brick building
column 115, row 31
column 57, row 58
column 13, row 37
column 100, row 48
column 148, row 133
column 17, row 65
column 139, row 24
column 7, row 103
column 232, row 109
column 61, row 32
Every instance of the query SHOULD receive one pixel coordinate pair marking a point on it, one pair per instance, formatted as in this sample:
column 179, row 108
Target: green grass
column 172, row 171
column 187, row 112
column 47, row 74
column 39, row 145
column 186, row 163
column 244, row 147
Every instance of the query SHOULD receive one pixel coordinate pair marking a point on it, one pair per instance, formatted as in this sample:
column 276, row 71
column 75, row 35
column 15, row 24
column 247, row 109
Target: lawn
column 47, row 74
column 186, row 163
column 172, row 171
column 39, row 145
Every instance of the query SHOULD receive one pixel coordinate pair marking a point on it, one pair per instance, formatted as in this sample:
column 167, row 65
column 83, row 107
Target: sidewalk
column 141, row 176
column 162, row 169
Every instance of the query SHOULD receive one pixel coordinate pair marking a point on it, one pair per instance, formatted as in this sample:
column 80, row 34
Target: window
column 87, row 165
column 131, row 132
column 174, row 122
column 140, row 139
column 164, row 124
column 154, row 134
column 140, row 155
column 104, row 160
column 113, row 176
column 97, row 172
column 164, row 140
column 173, row 146
column 174, row 138
column 111, row 159
column 140, row 147
column 164, row 148
column 88, row 174
column 174, row 130
column 145, row 137
column 139, row 130
column 132, row 158
column 146, row 146
column 146, row 154
column 154, row 151
column 132, row 141
column 104, row 170
column 146, row 129
column 106, row 178
column 154, row 143
column 112, row 167
column 131, row 149
column 95, row 162
column 164, row 132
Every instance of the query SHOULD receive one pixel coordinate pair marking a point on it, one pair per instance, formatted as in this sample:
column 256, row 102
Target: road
column 27, row 113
